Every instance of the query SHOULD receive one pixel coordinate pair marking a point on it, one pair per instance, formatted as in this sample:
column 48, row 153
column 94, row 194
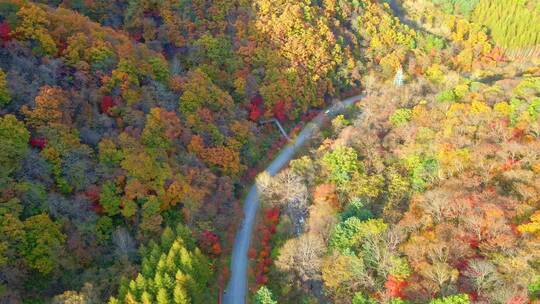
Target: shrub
column 400, row 117
column 447, row 96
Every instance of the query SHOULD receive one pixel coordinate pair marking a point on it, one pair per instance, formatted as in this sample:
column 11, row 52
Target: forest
column 131, row 131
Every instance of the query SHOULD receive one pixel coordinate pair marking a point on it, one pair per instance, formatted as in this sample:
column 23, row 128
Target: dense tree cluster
column 123, row 118
column 428, row 195
column 119, row 119
column 172, row 271
column 513, row 24
column 95, row 156
column 444, row 202
column 501, row 16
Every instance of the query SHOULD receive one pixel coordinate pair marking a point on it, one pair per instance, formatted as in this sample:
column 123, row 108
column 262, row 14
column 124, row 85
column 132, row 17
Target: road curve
column 237, row 289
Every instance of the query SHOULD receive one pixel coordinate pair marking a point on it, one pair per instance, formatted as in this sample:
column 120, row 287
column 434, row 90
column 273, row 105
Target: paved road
column 237, row 289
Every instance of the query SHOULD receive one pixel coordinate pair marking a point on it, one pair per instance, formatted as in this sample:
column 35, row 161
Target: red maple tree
column 5, row 32
column 394, row 287
column 107, row 102
column 210, row 243
column 38, row 142
column 279, row 111
column 256, row 108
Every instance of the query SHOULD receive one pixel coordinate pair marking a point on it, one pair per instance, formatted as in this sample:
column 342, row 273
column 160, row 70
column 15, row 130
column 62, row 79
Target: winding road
column 237, row 289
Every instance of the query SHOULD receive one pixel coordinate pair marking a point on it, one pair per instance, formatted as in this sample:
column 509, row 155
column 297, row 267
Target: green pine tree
column 146, row 298
column 180, row 295
column 162, row 296
column 264, row 296
column 173, row 272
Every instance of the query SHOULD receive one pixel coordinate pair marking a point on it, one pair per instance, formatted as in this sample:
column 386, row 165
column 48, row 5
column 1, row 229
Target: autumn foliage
column 395, row 287
column 263, row 259
column 210, row 243
column 256, row 108
column 120, row 118
column 5, row 31
column 38, row 142
column 107, row 102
